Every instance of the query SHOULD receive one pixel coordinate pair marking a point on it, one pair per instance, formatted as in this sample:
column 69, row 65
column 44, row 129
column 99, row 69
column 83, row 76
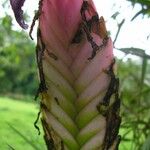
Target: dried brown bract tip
column 102, row 28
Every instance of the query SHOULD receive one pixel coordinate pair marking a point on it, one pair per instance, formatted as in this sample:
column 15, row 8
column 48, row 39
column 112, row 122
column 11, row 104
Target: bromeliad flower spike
column 78, row 87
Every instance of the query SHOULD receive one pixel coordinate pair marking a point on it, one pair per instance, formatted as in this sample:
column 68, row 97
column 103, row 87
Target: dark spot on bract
column 56, row 99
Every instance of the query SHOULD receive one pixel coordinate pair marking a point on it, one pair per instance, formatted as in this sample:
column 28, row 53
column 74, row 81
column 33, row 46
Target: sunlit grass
column 21, row 115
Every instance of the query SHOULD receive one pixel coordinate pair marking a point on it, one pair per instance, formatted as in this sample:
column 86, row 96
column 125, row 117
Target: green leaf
column 143, row 11
column 135, row 51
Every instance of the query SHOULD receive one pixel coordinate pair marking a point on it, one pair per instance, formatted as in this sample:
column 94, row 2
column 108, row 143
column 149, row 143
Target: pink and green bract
column 78, row 87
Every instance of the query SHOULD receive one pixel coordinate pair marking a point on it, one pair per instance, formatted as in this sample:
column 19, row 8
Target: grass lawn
column 21, row 115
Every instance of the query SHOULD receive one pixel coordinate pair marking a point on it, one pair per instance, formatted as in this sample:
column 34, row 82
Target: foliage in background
column 17, row 60
column 145, row 7
column 135, row 110
column 135, row 90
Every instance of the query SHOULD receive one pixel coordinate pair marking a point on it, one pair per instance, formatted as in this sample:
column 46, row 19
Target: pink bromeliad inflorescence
column 78, row 87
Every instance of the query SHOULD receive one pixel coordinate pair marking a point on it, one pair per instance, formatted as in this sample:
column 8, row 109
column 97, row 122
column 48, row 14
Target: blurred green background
column 19, row 82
